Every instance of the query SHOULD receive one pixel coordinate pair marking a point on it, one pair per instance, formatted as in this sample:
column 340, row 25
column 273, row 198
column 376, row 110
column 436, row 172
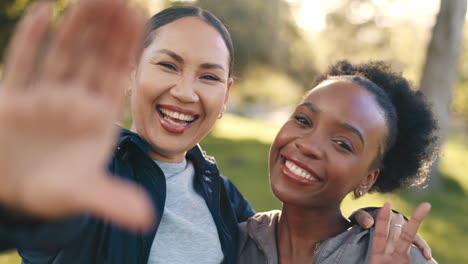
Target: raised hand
column 58, row 107
column 395, row 248
column 366, row 220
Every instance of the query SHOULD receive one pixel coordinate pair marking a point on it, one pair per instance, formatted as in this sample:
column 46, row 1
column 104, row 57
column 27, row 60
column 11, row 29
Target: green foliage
column 460, row 98
column 353, row 36
column 10, row 258
column 265, row 87
column 11, row 12
column 265, row 33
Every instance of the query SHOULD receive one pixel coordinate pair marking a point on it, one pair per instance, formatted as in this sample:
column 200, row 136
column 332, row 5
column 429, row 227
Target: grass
column 241, row 149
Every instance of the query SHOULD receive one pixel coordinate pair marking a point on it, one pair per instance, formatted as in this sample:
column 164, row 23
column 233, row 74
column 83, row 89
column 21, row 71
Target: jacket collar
column 195, row 154
column 127, row 135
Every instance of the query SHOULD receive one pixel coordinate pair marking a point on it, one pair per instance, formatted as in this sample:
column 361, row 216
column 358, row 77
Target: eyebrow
column 211, row 66
column 354, row 130
column 179, row 59
column 311, row 107
column 171, row 54
column 343, row 125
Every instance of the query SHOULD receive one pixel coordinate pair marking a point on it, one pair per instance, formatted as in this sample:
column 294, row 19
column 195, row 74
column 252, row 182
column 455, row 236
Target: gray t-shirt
column 187, row 232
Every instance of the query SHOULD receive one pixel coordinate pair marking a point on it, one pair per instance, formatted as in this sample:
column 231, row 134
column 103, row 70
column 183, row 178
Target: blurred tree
column 460, row 98
column 353, row 32
column 441, row 67
column 11, row 12
column 363, row 30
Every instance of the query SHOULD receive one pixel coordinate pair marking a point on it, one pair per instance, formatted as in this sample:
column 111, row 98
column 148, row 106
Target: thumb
column 364, row 219
column 121, row 202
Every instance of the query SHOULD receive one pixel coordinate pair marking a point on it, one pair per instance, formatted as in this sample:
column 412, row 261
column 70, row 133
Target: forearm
column 19, row 230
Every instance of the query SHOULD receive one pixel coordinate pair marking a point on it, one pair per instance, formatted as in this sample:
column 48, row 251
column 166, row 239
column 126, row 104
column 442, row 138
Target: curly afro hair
column 411, row 143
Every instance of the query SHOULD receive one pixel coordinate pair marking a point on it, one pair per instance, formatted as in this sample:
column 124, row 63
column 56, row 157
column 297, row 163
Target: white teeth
column 172, row 121
column 177, row 115
column 299, row 171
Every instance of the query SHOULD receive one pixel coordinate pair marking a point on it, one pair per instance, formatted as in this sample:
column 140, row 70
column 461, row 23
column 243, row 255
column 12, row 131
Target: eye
column 344, row 145
column 168, row 66
column 303, row 120
column 210, row 77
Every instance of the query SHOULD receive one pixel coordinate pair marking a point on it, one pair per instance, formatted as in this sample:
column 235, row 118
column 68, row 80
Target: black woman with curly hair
column 360, row 129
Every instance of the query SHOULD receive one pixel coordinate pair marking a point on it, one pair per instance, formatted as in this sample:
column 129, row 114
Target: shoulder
column 416, row 255
column 418, row 258
column 259, row 224
column 269, row 218
column 257, row 239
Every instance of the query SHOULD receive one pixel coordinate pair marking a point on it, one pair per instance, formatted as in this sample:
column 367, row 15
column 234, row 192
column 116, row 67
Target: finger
column 423, row 246
column 25, row 46
column 64, row 52
column 118, row 201
column 410, row 229
column 94, row 46
column 396, row 223
column 364, row 219
column 393, row 237
column 120, row 56
column 381, row 230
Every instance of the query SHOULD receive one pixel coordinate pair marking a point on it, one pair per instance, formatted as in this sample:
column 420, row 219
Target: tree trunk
column 440, row 70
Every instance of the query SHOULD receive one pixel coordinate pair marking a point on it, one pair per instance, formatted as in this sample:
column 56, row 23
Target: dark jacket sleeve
column 18, row 231
column 239, row 203
column 30, row 233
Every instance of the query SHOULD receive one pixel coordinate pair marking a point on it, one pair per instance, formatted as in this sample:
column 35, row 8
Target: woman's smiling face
column 326, row 149
column 181, row 85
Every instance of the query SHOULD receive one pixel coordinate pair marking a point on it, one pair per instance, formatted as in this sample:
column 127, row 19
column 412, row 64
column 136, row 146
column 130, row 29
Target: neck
column 301, row 229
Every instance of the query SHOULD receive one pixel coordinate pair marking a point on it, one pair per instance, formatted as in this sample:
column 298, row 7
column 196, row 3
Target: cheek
column 349, row 172
column 212, row 99
column 281, row 139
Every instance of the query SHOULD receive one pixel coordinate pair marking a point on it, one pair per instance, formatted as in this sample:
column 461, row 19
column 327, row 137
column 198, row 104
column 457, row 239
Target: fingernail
column 369, row 221
column 428, row 254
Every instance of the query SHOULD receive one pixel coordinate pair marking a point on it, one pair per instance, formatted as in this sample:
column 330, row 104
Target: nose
column 311, row 146
column 185, row 91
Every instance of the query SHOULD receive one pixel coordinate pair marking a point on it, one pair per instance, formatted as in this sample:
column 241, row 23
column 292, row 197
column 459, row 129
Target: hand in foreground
column 395, row 249
column 366, row 220
column 57, row 114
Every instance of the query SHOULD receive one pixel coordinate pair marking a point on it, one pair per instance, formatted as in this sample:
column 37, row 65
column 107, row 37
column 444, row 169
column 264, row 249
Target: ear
column 226, row 96
column 366, row 183
column 132, row 81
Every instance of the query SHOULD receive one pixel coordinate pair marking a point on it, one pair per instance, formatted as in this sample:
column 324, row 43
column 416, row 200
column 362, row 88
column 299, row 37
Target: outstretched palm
column 57, row 116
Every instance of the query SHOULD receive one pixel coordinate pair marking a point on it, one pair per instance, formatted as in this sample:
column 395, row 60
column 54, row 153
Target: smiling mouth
column 298, row 171
column 176, row 118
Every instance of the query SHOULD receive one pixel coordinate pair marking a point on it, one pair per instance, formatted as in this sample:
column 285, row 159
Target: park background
column 281, row 45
